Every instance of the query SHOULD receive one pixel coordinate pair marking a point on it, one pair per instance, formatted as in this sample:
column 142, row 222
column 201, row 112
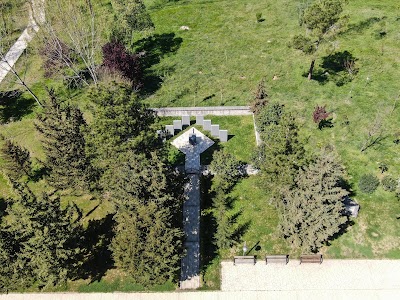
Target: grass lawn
column 241, row 141
column 220, row 61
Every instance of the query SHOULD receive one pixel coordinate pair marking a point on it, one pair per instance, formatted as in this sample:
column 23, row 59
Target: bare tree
column 73, row 23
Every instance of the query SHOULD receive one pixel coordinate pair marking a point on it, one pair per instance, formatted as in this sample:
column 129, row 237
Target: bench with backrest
column 311, row 258
column 284, row 259
column 249, row 259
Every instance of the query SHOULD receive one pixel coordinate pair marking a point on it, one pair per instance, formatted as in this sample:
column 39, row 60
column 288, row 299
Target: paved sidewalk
column 254, row 295
column 16, row 50
column 334, row 275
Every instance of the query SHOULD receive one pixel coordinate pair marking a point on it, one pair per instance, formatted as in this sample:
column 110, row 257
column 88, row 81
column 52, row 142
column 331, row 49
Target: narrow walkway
column 10, row 58
column 190, row 266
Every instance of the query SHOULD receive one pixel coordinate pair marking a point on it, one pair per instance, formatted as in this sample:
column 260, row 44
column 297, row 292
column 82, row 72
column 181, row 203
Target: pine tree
column 226, row 169
column 280, row 156
column 148, row 240
column 131, row 16
column 18, row 160
column 43, row 234
column 62, row 127
column 313, row 210
column 121, row 123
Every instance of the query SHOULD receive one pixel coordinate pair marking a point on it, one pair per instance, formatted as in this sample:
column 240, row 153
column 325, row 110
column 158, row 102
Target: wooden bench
column 277, row 259
column 249, row 259
column 312, row 258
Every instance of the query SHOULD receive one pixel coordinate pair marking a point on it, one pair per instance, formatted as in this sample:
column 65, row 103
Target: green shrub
column 368, row 183
column 389, row 183
column 259, row 17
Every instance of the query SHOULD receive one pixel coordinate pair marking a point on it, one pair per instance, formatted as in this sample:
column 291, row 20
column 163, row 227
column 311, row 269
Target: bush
column 389, row 183
column 117, row 59
column 259, row 17
column 368, row 183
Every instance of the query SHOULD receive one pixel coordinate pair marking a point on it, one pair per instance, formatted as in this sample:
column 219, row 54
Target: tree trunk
column 311, row 69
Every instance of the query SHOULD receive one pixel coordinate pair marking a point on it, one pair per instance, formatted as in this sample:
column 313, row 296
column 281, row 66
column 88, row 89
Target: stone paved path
column 190, row 266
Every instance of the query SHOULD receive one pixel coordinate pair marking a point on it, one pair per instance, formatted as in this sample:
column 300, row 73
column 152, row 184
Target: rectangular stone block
column 223, row 135
column 177, row 124
column 170, row 130
column 207, row 125
column 185, row 120
column 199, row 120
column 215, row 130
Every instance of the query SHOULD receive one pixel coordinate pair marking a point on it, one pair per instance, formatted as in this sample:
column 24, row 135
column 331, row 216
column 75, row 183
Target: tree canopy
column 313, row 209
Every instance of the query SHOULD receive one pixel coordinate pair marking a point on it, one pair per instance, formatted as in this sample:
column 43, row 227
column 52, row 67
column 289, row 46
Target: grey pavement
column 381, row 294
column 332, row 275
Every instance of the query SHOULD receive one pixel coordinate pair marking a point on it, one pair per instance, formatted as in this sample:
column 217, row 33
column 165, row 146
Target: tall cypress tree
column 148, row 238
column 121, row 123
column 17, row 158
column 280, row 156
column 63, row 128
column 43, row 248
column 313, row 209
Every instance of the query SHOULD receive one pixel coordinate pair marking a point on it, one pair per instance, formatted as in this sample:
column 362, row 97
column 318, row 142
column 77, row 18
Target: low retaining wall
column 203, row 111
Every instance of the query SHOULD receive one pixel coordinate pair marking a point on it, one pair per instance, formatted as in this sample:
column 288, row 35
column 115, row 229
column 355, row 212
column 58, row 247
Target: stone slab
column 185, row 120
column 215, row 130
column 207, row 125
column 199, row 120
column 177, row 125
column 170, row 130
column 223, row 135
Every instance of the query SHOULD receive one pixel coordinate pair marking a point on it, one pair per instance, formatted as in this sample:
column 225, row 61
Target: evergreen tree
column 121, row 123
column 322, row 20
column 280, row 156
column 17, row 158
column 148, row 240
column 226, row 169
column 313, row 210
column 130, row 16
column 227, row 174
column 43, row 234
column 63, row 128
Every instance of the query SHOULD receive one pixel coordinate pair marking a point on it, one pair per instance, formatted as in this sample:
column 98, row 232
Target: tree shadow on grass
column 96, row 256
column 338, row 67
column 13, row 106
column 342, row 230
column 208, row 225
column 362, row 25
column 154, row 48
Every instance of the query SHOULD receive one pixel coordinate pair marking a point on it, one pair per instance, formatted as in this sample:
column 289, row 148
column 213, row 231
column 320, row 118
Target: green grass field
column 220, row 61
